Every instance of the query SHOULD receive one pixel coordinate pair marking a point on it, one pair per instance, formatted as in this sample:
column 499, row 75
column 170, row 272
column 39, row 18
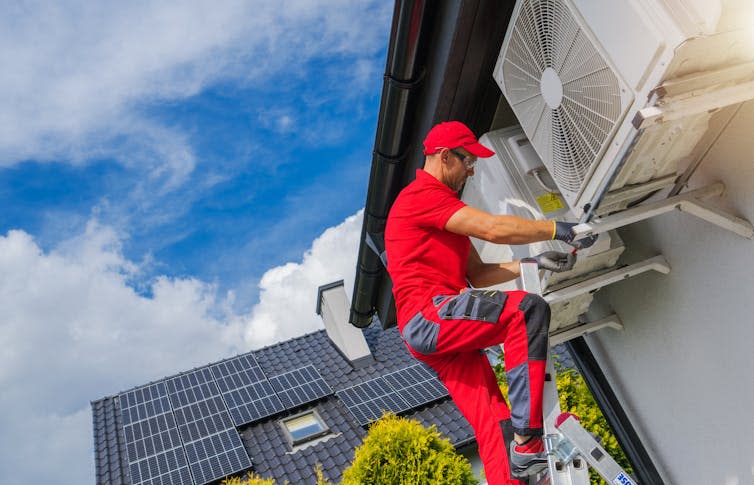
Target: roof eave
column 439, row 67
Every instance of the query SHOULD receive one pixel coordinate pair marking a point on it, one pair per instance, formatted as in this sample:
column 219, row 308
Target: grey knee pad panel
column 421, row 334
column 537, row 317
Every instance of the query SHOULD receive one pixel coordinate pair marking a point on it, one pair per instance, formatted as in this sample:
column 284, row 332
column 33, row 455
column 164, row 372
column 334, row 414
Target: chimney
column 332, row 306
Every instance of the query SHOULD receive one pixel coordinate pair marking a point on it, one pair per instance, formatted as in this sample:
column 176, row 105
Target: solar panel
column 367, row 401
column 217, row 456
column 417, row 384
column 300, row 386
column 213, row 446
column 237, row 372
column 397, row 391
column 246, row 390
column 155, row 453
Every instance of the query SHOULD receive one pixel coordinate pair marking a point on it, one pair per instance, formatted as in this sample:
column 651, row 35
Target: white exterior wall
column 684, row 365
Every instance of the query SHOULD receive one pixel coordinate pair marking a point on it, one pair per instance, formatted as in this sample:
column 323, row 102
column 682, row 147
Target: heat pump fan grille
column 562, row 90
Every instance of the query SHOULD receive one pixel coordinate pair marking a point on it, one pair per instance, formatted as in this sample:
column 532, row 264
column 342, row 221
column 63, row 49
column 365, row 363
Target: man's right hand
column 554, row 261
column 564, row 232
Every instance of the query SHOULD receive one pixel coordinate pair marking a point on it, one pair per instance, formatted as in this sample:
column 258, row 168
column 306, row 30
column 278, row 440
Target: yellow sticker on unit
column 550, row 202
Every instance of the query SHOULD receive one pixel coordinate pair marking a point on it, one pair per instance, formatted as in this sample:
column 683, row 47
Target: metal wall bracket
column 656, row 263
column 682, row 105
column 580, row 329
column 531, row 283
column 690, row 202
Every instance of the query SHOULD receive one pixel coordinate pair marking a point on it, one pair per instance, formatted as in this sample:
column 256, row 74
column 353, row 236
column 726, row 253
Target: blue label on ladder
column 623, row 479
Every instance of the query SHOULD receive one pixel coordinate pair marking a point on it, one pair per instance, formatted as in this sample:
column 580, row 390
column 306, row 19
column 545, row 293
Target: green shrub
column 401, row 451
column 254, row 479
column 576, row 398
column 250, row 479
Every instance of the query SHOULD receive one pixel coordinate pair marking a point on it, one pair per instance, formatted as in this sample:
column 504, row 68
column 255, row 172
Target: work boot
column 528, row 458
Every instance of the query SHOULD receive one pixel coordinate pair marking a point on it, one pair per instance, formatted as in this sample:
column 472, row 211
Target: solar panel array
column 246, row 390
column 368, row 400
column 182, row 430
column 417, row 385
column 396, row 392
column 300, row 386
column 155, row 452
column 213, row 446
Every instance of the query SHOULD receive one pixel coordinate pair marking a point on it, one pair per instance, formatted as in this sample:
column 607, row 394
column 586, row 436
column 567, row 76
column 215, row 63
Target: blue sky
column 250, row 165
column 176, row 181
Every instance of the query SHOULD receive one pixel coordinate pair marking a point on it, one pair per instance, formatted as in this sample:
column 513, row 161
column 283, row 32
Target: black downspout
column 403, row 76
column 644, row 469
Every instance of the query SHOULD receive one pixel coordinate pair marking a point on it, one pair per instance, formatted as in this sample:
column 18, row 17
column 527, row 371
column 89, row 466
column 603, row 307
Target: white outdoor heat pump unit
column 515, row 182
column 580, row 75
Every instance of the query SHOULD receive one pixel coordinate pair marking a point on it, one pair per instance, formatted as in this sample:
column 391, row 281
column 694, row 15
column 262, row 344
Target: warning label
column 550, row 202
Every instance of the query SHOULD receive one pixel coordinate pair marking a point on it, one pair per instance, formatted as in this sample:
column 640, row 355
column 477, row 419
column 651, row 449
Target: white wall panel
column 684, row 365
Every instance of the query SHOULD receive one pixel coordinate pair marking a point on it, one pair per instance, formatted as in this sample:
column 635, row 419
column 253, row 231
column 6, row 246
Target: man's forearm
column 499, row 229
column 517, row 230
column 490, row 274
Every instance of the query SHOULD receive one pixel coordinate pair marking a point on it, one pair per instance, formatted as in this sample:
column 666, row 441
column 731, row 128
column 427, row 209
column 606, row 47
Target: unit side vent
column 563, row 91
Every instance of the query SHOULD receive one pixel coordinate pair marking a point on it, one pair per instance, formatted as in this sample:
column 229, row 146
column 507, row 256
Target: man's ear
column 445, row 155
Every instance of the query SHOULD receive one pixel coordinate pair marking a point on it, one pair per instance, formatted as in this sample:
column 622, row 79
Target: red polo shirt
column 424, row 260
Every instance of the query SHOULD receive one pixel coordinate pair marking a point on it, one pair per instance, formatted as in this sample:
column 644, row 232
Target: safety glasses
column 467, row 160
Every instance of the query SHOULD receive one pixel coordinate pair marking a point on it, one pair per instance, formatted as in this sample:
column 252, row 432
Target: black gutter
column 403, row 76
column 440, row 61
column 644, row 469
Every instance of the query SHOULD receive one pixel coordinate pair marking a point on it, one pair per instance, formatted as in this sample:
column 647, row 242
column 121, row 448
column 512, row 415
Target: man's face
column 461, row 166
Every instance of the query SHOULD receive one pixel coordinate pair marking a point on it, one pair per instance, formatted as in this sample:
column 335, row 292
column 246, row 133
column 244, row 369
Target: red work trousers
column 449, row 335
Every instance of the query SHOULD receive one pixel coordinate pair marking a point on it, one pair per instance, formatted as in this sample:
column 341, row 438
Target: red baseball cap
column 454, row 134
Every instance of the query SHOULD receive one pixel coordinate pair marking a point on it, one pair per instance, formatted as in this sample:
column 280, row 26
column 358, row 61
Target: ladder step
column 582, row 443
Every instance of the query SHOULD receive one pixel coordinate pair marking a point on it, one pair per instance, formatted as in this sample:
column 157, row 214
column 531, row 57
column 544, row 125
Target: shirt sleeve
column 440, row 206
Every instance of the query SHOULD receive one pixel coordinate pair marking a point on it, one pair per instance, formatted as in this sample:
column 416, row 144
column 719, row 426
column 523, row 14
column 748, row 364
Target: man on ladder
column 447, row 324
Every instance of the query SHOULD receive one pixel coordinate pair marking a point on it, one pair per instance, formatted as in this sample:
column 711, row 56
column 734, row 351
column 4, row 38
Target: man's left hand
column 564, row 231
column 554, row 261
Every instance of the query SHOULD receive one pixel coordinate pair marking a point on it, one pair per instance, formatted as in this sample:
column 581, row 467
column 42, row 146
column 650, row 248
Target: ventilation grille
column 566, row 97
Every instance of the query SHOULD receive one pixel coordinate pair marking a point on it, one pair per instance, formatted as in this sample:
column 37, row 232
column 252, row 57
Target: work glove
column 564, row 232
column 554, row 261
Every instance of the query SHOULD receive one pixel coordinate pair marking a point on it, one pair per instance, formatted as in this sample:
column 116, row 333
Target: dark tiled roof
column 273, row 457
column 389, row 353
column 110, row 460
column 271, row 454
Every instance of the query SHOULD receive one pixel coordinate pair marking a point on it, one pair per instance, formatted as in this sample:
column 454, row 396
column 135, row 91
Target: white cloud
column 281, row 120
column 77, row 75
column 284, row 123
column 288, row 296
column 72, row 330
